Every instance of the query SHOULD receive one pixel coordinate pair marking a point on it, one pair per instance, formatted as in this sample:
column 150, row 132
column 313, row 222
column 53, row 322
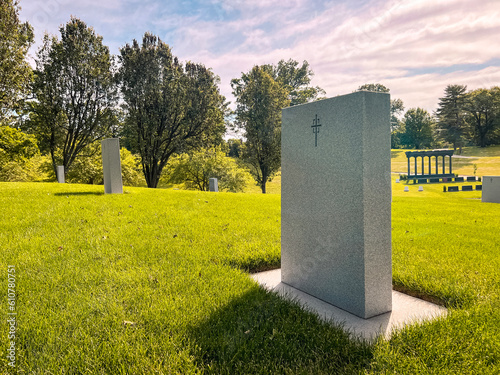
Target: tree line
column 168, row 113
column 463, row 118
column 171, row 117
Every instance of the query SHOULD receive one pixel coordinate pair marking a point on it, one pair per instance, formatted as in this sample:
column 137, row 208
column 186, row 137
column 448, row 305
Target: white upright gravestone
column 111, row 166
column 491, row 189
column 336, row 201
column 60, row 174
column 213, row 185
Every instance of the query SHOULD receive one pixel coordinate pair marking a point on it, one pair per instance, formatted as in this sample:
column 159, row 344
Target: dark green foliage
column 15, row 72
column 376, row 87
column 234, row 147
column 196, row 169
column 170, row 108
column 260, row 100
column 295, row 80
column 451, row 115
column 483, row 107
column 74, row 92
column 418, row 126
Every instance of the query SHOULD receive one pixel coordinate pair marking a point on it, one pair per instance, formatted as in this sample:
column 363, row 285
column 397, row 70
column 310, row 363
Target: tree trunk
column 263, row 186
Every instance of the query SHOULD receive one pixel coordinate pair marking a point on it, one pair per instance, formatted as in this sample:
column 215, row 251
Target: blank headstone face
column 213, row 184
column 491, row 189
column 336, row 201
column 111, row 166
column 60, row 174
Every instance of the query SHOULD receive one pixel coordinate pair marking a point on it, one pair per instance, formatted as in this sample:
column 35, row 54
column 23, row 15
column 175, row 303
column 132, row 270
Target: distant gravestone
column 213, row 184
column 491, row 189
column 60, row 174
column 397, row 180
column 111, row 166
column 336, row 201
column 420, row 188
column 407, row 188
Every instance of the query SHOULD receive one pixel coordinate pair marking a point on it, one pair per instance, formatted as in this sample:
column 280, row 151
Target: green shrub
column 195, row 170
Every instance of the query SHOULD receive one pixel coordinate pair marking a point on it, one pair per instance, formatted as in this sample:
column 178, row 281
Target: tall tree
column 483, row 107
column 451, row 115
column 260, row 99
column 170, row 108
column 295, row 80
column 15, row 72
column 418, row 125
column 74, row 91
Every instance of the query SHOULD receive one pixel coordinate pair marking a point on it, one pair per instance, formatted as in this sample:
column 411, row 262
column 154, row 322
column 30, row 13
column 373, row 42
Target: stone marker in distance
column 491, row 189
column 111, row 166
column 213, row 185
column 336, row 201
column 60, row 174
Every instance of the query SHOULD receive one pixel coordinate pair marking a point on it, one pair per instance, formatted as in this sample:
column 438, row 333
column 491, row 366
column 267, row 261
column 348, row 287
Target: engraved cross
column 315, row 127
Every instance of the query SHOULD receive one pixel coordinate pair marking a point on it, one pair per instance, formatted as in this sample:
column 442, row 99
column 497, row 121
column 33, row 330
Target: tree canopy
column 260, row 99
column 170, row 108
column 295, row 80
column 196, row 169
column 451, row 115
column 418, row 125
column 15, row 72
column 74, row 92
column 483, row 107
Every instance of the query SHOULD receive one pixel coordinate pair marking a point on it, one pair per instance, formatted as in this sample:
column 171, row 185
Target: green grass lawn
column 156, row 282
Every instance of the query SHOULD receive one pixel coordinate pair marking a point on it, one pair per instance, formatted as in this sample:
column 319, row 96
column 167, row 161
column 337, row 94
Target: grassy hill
column 156, row 281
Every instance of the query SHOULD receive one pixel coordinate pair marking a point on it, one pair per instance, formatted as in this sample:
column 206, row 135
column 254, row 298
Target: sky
column 414, row 47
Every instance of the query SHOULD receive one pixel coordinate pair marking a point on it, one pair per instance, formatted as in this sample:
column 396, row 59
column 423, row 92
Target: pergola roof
column 411, row 154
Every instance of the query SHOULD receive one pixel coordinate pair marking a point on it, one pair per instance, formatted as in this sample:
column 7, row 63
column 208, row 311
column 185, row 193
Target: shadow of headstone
column 260, row 333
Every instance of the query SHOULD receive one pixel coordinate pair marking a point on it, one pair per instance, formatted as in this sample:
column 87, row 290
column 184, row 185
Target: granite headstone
column 111, row 166
column 60, row 174
column 336, row 201
column 491, row 189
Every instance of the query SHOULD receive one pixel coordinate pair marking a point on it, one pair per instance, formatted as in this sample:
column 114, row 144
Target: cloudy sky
column 414, row 47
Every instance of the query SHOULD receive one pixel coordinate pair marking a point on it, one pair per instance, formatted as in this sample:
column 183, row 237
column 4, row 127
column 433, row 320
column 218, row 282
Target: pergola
column 431, row 155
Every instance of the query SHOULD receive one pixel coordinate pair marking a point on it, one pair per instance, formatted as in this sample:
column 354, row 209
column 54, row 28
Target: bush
column 195, row 170
column 87, row 167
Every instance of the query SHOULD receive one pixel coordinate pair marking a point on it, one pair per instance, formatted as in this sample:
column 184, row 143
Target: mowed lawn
column 156, row 282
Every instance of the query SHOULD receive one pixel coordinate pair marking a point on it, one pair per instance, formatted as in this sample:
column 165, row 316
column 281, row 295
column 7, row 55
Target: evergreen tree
column 451, row 115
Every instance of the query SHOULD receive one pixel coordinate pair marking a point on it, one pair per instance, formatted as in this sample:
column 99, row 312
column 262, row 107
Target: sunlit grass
column 156, row 281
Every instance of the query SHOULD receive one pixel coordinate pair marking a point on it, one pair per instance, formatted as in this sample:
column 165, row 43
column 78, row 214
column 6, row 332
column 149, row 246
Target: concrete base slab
column 405, row 309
